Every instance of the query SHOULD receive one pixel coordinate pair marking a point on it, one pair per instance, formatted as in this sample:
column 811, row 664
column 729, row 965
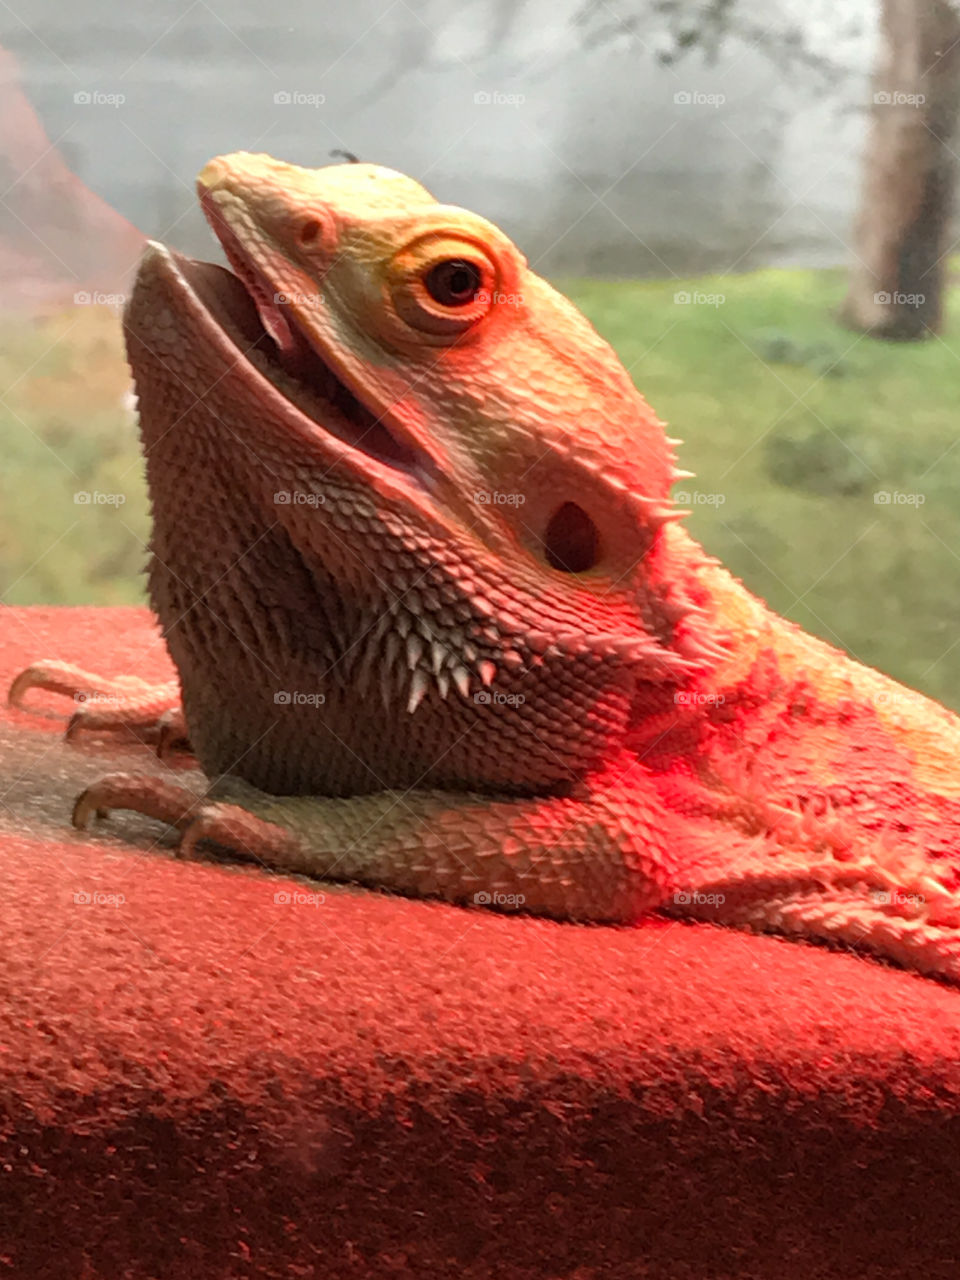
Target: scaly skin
column 525, row 684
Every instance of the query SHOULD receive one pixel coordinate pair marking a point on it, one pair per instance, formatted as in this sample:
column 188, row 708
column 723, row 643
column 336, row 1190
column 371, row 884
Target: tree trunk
column 903, row 228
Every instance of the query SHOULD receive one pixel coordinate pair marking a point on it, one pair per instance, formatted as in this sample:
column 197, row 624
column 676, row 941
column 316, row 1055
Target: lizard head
column 444, row 441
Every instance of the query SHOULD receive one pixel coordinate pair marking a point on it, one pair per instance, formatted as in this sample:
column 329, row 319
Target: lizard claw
column 236, row 828
column 142, row 793
column 228, row 825
column 109, row 703
column 58, row 677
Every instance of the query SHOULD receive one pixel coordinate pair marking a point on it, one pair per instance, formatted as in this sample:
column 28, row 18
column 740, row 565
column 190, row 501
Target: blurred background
column 754, row 202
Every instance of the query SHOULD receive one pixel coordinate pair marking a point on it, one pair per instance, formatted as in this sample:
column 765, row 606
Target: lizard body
column 436, row 626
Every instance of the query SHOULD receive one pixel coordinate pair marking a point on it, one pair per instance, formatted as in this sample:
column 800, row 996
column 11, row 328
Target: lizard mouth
column 263, row 328
column 255, row 329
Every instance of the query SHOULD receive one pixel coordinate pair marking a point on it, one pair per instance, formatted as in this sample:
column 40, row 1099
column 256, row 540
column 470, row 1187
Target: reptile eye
column 454, row 283
column 439, row 286
column 571, row 541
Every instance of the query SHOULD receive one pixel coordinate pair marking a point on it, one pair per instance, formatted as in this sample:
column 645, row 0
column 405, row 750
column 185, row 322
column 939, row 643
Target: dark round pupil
column 453, row 283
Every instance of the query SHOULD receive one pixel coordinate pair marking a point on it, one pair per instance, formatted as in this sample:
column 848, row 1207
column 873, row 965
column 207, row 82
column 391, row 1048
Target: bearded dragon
column 436, row 625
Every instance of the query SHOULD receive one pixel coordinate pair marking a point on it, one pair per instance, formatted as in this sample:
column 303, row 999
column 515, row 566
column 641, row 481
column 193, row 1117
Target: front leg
column 611, row 853
column 592, row 857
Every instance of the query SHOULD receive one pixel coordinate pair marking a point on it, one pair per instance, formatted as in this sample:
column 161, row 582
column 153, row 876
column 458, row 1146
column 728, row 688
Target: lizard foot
column 146, row 709
column 195, row 817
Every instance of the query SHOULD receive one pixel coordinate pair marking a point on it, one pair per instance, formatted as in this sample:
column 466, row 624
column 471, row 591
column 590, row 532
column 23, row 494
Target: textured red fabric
column 203, row 1081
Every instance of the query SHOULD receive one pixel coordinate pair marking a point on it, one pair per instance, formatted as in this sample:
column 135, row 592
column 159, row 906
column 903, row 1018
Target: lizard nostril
column 310, row 233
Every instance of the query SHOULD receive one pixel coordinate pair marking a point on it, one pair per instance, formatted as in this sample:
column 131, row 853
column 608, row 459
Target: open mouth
column 267, row 334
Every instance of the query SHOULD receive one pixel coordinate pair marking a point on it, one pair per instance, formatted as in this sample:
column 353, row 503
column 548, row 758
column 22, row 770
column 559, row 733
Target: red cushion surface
column 200, row 1081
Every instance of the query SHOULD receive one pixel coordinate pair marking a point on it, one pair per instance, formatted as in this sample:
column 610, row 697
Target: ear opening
column 571, row 541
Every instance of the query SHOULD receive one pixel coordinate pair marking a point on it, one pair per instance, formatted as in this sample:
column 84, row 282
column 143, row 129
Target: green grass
column 796, row 423
column 66, row 434
column 791, row 422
